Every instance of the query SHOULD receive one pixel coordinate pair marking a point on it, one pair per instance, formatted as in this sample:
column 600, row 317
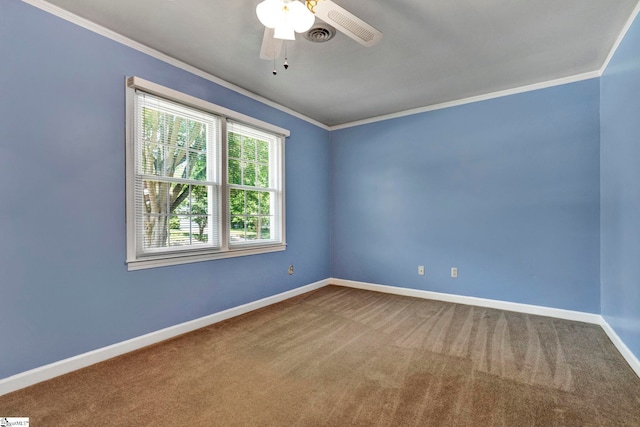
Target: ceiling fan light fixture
column 286, row 15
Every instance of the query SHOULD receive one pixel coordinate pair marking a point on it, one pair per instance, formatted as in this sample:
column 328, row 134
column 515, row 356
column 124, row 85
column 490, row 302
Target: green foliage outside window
column 248, row 166
column 173, row 147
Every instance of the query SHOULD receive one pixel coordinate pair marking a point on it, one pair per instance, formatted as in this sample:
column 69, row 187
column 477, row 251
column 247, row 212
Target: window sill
column 165, row 261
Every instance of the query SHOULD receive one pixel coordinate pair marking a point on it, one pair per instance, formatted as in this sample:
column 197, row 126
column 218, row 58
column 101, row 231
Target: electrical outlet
column 454, row 272
column 421, row 270
column 290, row 269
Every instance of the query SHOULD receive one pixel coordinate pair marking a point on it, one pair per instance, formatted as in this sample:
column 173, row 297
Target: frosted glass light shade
column 301, row 17
column 290, row 15
column 270, row 13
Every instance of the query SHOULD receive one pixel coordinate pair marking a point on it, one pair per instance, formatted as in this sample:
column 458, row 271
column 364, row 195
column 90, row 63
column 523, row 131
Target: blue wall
column 64, row 286
column 620, row 184
column 507, row 190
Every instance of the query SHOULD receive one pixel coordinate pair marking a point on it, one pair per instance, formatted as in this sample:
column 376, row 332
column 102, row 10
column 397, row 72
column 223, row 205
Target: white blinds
column 177, row 177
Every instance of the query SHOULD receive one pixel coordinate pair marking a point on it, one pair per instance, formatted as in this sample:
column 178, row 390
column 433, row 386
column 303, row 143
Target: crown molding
column 470, row 100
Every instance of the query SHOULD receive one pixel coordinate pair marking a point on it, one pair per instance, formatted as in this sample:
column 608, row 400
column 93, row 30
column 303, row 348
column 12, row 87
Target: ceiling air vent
column 320, row 33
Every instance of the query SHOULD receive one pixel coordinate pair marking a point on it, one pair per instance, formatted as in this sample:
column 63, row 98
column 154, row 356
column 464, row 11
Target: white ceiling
column 433, row 51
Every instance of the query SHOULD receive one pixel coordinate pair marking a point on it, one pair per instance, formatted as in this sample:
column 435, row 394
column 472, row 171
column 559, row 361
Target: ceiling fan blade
column 270, row 47
column 347, row 23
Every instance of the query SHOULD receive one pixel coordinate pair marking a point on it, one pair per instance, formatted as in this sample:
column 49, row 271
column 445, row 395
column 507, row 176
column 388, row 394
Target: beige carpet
column 341, row 357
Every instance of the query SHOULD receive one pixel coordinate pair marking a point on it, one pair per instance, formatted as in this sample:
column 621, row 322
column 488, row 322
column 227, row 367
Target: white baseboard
column 631, row 358
column 480, row 302
column 43, row 373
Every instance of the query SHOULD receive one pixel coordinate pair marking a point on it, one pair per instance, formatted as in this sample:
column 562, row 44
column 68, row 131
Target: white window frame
column 136, row 258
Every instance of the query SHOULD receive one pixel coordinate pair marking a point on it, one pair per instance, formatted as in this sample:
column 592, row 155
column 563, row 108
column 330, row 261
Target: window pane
column 237, row 229
column 181, row 128
column 175, row 162
column 199, row 200
column 154, row 125
column 235, row 173
column 167, row 128
column 152, row 159
column 249, row 174
column 176, row 214
column 155, row 195
column 265, row 203
column 249, row 149
column 198, row 136
column 263, row 176
column 263, row 152
column 165, row 138
column 179, row 199
column 200, row 229
column 252, row 227
column 174, row 223
column 156, row 231
column 252, row 202
column 234, row 145
column 236, row 202
column 265, row 228
column 179, row 230
column 197, row 165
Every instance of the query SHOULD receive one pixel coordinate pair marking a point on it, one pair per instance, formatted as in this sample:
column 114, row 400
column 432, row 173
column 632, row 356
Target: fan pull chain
column 286, row 64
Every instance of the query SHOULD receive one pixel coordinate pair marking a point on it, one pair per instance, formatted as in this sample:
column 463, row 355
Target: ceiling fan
column 282, row 18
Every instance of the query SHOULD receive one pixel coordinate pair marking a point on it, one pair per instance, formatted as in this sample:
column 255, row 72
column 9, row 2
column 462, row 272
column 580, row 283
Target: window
column 203, row 182
column 253, row 188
